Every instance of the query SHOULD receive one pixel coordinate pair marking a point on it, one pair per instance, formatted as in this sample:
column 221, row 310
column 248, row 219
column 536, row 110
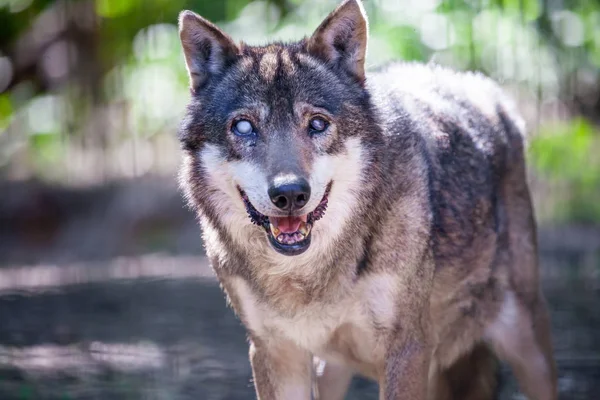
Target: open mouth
column 288, row 235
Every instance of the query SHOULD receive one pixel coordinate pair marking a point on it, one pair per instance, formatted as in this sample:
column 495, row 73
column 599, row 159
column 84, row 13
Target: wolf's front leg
column 406, row 370
column 281, row 370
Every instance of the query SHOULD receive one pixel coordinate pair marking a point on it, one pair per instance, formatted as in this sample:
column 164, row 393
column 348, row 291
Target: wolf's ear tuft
column 341, row 39
column 207, row 49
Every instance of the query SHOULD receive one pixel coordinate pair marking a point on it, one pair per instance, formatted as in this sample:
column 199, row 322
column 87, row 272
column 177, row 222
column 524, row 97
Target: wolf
column 372, row 223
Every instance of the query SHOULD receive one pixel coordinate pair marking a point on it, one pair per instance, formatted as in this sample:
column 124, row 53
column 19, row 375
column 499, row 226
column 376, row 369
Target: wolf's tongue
column 287, row 224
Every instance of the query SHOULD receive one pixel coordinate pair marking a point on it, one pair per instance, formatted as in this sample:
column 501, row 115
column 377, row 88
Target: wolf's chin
column 284, row 240
column 292, row 249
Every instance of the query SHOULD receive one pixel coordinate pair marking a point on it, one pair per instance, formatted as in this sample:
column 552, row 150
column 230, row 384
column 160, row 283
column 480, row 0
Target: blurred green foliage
column 93, row 89
column 568, row 155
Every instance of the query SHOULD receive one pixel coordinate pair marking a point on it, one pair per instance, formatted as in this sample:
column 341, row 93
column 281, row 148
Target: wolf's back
column 471, row 137
column 431, row 94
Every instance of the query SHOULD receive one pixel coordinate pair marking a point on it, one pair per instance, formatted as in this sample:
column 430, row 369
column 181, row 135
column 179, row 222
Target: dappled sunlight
column 84, row 358
column 47, row 277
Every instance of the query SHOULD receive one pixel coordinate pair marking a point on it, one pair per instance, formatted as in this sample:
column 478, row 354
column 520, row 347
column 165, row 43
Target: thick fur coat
column 414, row 260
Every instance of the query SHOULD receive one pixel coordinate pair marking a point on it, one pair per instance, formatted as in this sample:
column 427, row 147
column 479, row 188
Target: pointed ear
column 341, row 39
column 207, row 49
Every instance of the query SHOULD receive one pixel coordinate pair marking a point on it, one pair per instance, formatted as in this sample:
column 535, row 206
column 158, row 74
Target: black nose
column 289, row 194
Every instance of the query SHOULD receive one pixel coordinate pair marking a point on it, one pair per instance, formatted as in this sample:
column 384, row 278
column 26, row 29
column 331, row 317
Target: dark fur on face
column 268, row 83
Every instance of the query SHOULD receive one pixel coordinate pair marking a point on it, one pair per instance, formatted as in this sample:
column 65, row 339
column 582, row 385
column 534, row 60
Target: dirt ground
column 105, row 294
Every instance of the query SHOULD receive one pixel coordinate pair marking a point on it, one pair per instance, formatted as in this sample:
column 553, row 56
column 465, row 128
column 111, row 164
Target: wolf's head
column 278, row 136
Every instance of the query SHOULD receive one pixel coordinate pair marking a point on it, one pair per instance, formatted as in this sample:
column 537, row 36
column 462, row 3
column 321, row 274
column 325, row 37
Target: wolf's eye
column 317, row 125
column 243, row 127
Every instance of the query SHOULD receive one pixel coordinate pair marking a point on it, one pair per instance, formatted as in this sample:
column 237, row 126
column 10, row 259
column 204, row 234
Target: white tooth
column 280, row 238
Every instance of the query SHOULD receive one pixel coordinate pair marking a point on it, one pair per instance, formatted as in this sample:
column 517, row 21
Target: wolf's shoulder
column 458, row 112
column 463, row 135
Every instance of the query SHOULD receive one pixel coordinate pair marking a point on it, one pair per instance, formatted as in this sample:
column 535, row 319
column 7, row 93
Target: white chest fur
column 345, row 329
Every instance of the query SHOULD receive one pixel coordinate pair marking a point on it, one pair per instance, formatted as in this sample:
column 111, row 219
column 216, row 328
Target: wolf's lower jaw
column 290, row 249
column 291, row 243
column 288, row 243
column 291, row 237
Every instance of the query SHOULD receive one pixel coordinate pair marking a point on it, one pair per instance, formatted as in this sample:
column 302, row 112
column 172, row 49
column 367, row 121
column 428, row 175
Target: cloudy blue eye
column 318, row 125
column 243, row 127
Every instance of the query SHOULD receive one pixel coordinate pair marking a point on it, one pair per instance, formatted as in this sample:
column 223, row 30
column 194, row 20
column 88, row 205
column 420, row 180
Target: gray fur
column 435, row 256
